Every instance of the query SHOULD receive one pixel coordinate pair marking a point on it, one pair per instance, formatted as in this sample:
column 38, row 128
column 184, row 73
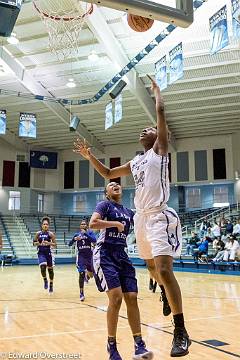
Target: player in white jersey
column 157, row 227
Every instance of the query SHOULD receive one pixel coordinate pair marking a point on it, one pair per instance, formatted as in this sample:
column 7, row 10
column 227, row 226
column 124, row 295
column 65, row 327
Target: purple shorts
column 84, row 263
column 46, row 259
column 113, row 268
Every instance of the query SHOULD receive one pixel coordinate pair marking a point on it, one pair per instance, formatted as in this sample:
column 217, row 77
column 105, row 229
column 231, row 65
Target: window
column 194, row 198
column 14, row 200
column 40, row 203
column 100, row 197
column 220, row 196
column 79, row 203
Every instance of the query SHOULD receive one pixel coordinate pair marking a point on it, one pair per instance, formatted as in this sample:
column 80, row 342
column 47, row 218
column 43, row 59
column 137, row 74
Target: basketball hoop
column 63, row 20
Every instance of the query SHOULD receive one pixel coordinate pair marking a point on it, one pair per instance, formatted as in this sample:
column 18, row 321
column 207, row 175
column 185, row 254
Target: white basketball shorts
column 158, row 232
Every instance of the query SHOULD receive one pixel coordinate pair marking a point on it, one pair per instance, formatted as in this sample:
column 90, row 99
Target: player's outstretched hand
column 82, row 149
column 154, row 85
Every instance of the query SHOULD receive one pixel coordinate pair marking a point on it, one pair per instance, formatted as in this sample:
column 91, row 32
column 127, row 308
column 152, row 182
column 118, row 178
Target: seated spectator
column 219, row 246
column 202, row 248
column 223, row 224
column 229, row 227
column 231, row 249
column 192, row 244
column 216, row 230
column 236, row 228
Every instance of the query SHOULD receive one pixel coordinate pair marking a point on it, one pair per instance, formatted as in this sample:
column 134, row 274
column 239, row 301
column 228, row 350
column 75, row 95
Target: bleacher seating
column 7, row 250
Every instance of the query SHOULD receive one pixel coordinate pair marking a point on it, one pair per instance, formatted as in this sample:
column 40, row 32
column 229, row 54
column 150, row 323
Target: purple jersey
column 44, row 236
column 84, row 245
column 112, row 211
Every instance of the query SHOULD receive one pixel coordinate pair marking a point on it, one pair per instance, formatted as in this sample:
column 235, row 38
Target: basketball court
column 33, row 321
column 71, row 69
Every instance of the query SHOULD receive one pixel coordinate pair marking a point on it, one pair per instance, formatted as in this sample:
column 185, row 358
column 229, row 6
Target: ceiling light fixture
column 13, row 40
column 71, row 83
column 93, row 56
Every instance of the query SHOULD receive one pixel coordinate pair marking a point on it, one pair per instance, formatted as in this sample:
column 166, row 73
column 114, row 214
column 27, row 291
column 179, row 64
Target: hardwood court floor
column 32, row 321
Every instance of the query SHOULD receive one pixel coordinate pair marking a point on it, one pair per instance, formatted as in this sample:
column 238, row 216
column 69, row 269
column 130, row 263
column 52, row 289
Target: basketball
column 139, row 23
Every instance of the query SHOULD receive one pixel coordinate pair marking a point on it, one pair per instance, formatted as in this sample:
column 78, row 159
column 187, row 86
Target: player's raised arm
column 161, row 144
column 82, row 149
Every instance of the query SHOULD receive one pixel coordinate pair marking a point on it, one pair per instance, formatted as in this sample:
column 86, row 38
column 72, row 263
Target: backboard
column 177, row 12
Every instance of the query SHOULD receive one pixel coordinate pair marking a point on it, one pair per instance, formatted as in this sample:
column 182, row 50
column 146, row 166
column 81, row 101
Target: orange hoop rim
column 64, row 18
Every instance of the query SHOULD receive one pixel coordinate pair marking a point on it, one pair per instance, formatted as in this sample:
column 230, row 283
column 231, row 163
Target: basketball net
column 64, row 20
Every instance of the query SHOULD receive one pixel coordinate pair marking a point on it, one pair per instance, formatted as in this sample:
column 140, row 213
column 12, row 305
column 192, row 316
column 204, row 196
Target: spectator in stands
column 230, row 249
column 229, row 227
column 192, row 244
column 236, row 228
column 203, row 228
column 218, row 246
column 215, row 231
column 202, row 248
column 223, row 224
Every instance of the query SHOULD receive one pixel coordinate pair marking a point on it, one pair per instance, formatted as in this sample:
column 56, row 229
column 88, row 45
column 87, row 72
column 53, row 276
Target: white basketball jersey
column 150, row 173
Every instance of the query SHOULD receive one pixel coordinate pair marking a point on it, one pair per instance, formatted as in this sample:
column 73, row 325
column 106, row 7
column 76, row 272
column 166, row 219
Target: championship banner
column 109, row 116
column 176, row 64
column 118, row 114
column 3, row 122
column 43, row 159
column 161, row 73
column 236, row 18
column 219, row 30
column 28, row 125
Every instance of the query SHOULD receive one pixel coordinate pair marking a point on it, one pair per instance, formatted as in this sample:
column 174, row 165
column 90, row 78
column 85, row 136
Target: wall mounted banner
column 43, row 159
column 219, row 30
column 108, row 116
column 236, row 18
column 28, row 125
column 175, row 64
column 3, row 122
column 118, row 114
column 161, row 73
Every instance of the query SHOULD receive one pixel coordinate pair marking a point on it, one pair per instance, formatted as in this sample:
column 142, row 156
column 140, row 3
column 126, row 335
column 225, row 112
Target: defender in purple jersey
column 157, row 227
column 113, row 270
column 45, row 240
column 84, row 240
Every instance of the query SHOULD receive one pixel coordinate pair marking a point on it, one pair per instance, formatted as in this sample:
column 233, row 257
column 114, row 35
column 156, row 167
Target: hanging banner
column 118, row 114
column 236, row 18
column 28, row 125
column 161, row 73
column 3, row 122
column 109, row 116
column 218, row 30
column 176, row 64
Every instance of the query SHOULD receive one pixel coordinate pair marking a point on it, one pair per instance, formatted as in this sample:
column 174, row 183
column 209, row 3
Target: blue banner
column 161, row 73
column 108, row 116
column 43, row 159
column 236, row 18
column 3, row 122
column 118, row 114
column 175, row 64
column 28, row 125
column 219, row 30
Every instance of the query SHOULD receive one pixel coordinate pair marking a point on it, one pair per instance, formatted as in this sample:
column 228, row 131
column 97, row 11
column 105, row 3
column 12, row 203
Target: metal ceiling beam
column 102, row 31
column 36, row 88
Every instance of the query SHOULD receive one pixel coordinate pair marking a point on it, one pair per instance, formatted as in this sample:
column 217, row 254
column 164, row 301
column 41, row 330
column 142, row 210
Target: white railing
column 27, row 244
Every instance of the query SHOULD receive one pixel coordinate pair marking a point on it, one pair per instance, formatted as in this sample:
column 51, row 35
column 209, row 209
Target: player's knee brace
column 43, row 271
column 51, row 273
